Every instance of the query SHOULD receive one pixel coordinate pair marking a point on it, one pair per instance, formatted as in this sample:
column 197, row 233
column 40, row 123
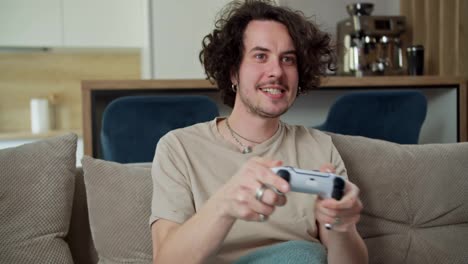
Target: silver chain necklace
column 246, row 139
column 245, row 149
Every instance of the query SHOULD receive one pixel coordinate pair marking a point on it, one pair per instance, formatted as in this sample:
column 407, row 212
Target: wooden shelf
column 96, row 94
column 394, row 81
column 326, row 82
column 21, row 135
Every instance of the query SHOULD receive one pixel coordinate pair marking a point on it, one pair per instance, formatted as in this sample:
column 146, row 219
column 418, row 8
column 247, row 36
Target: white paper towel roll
column 40, row 115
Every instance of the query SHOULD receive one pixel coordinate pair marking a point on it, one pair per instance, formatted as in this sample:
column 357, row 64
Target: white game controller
column 325, row 185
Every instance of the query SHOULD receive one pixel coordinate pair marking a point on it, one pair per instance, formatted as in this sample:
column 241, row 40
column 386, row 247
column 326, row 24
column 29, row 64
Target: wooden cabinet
column 30, row 23
column 73, row 23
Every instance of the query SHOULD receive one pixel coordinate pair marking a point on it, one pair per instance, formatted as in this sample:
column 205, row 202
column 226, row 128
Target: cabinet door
column 104, row 23
column 30, row 23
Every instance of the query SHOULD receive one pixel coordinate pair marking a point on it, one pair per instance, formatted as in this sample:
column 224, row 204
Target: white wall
column 177, row 28
column 328, row 13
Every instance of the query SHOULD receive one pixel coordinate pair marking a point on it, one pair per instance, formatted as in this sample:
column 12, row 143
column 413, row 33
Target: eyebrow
column 258, row 48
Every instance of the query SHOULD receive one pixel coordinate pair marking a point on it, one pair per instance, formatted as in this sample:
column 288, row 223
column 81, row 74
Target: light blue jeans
column 291, row 252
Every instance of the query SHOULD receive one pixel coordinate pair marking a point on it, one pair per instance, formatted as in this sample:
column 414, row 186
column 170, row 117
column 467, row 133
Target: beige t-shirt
column 192, row 163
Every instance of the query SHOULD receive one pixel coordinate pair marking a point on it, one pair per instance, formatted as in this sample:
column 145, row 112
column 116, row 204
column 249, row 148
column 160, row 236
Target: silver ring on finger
column 273, row 188
column 262, row 217
column 335, row 223
column 260, row 192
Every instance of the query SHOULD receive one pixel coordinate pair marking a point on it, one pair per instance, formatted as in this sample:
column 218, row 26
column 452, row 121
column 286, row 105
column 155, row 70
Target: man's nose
column 275, row 68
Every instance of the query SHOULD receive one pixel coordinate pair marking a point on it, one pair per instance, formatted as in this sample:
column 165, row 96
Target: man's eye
column 260, row 56
column 289, row 60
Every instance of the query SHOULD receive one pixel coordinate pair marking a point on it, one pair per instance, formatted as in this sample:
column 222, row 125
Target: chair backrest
column 395, row 116
column 133, row 125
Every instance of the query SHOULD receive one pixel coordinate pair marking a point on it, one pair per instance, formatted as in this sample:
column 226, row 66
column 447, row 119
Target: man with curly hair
column 216, row 199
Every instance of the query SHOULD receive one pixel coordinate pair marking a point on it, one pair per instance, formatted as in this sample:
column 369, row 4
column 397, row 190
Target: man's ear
column 234, row 77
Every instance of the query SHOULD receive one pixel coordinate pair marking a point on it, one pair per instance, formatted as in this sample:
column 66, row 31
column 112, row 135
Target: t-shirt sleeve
column 338, row 163
column 328, row 148
column 172, row 196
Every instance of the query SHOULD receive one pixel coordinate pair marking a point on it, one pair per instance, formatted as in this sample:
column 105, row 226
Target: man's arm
column 160, row 230
column 200, row 237
column 343, row 242
column 344, row 247
column 192, row 242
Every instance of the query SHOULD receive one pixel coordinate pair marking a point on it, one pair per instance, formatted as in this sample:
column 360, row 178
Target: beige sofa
column 415, row 203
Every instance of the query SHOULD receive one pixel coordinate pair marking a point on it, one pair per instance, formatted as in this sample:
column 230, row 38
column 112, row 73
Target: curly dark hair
column 223, row 49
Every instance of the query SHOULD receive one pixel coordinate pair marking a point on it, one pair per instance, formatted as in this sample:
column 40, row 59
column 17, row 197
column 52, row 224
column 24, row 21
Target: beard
column 257, row 109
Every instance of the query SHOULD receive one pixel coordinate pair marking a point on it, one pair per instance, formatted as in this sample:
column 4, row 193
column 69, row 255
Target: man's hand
column 249, row 195
column 342, row 215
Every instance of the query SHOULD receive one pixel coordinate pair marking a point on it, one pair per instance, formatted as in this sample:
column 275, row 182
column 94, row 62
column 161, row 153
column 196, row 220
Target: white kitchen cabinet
column 73, row 23
column 104, row 23
column 30, row 23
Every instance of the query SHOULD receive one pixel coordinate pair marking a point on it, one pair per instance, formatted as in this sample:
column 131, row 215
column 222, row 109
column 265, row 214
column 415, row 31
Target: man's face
column 267, row 78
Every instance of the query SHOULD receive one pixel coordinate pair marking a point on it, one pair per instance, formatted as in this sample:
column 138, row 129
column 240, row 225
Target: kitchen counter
column 327, row 82
column 400, row 81
column 447, row 97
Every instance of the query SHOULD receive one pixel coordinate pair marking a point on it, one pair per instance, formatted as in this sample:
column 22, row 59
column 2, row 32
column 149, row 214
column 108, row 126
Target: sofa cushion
column 36, row 195
column 119, row 205
column 415, row 199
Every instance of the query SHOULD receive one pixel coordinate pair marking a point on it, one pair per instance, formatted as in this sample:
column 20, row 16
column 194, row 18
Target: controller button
column 338, row 187
column 337, row 194
column 338, row 183
column 284, row 174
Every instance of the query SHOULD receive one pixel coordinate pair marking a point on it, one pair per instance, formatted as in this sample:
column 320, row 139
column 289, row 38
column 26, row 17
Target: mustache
column 274, row 82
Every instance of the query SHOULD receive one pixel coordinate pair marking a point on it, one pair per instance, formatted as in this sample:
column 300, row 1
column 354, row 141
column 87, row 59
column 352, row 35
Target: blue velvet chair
column 133, row 125
column 395, row 116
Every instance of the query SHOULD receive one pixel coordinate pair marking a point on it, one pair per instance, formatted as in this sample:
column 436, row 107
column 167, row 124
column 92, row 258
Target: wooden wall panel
column 418, row 17
column 407, row 37
column 462, row 21
column 27, row 75
column 448, row 38
column 441, row 26
column 432, row 29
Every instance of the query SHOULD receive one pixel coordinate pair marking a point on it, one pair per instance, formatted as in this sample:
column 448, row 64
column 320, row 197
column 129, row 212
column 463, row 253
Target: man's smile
column 272, row 90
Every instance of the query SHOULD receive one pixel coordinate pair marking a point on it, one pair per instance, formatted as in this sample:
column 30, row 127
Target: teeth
column 272, row 90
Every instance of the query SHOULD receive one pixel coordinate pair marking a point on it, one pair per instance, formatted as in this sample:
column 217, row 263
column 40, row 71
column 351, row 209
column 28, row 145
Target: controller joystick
column 284, row 174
